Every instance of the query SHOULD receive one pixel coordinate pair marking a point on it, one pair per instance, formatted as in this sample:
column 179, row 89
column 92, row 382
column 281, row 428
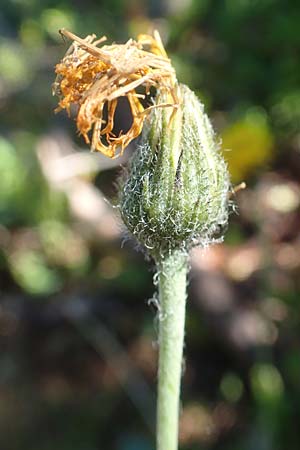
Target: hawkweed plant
column 175, row 193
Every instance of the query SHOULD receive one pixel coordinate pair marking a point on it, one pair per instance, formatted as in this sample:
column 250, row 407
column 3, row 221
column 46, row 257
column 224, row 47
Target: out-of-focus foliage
column 78, row 364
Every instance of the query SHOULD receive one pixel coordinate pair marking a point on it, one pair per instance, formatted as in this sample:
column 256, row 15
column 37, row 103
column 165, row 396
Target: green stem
column 172, row 272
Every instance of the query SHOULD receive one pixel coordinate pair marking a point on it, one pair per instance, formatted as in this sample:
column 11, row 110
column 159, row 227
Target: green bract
column 176, row 192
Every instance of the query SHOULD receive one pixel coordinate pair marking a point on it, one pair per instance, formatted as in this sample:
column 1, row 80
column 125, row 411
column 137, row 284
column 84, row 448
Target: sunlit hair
column 93, row 76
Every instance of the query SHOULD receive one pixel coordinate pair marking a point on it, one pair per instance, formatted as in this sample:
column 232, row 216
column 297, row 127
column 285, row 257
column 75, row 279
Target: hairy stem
column 172, row 298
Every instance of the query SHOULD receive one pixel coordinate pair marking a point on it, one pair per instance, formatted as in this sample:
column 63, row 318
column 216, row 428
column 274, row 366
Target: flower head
column 94, row 76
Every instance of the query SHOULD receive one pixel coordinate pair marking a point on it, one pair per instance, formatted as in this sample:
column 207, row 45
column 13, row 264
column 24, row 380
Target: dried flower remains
column 94, row 76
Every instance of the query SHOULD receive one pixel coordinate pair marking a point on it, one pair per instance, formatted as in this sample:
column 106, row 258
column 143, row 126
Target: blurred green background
column 77, row 316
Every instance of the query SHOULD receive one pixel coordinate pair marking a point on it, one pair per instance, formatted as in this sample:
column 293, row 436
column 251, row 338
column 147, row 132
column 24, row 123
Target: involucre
column 176, row 193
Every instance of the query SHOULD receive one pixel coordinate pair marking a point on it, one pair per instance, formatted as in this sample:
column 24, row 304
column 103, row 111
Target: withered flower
column 93, row 76
column 175, row 193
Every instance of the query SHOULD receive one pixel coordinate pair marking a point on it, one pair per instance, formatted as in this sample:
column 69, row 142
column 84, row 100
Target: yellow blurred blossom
column 247, row 145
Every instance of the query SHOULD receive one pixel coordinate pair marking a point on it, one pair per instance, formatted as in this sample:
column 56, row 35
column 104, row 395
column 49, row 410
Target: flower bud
column 176, row 192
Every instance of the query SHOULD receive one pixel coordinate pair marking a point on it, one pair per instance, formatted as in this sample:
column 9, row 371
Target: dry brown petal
column 95, row 78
